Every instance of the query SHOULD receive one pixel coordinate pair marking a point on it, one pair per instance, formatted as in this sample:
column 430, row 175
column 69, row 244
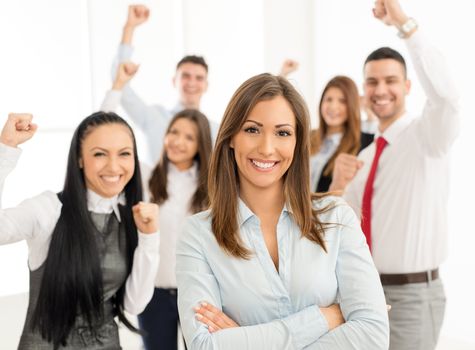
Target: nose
column 380, row 89
column 113, row 164
column 266, row 145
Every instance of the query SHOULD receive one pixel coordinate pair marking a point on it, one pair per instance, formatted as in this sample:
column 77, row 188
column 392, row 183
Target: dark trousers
column 159, row 321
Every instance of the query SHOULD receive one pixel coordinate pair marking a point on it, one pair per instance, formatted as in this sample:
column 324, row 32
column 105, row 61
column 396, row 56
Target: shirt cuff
column 149, row 241
column 416, row 40
column 125, row 52
column 9, row 154
column 306, row 326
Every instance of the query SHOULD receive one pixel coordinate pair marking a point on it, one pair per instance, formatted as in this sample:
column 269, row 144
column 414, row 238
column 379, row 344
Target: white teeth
column 263, row 165
column 111, row 178
column 382, row 102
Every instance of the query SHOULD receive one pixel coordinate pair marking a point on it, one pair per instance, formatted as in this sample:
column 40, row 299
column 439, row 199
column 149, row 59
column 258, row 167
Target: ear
column 231, row 143
column 81, row 164
column 408, row 86
column 174, row 81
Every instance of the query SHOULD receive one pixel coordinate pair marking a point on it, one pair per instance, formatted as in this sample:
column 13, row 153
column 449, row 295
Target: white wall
column 56, row 57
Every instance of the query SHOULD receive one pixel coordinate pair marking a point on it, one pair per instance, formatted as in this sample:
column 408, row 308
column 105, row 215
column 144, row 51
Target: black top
column 325, row 181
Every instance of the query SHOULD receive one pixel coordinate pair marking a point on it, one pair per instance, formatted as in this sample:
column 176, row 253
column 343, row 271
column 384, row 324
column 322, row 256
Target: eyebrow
column 106, row 150
column 276, row 126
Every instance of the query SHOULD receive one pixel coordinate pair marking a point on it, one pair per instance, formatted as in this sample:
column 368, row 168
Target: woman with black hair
column 93, row 248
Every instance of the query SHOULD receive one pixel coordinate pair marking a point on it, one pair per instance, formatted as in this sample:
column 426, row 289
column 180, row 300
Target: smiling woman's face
column 264, row 146
column 107, row 159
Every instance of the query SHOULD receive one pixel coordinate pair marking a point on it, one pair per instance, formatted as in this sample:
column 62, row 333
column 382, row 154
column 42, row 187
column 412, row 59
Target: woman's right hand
column 18, row 129
column 333, row 316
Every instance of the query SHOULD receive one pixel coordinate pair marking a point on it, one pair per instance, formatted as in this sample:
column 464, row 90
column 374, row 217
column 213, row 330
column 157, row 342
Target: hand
column 333, row 316
column 346, row 168
column 125, row 73
column 288, row 66
column 389, row 12
column 214, row 318
column 146, row 217
column 137, row 15
column 17, row 129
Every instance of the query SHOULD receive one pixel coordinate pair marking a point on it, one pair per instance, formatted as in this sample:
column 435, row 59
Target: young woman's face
column 334, row 109
column 107, row 159
column 181, row 143
column 264, row 146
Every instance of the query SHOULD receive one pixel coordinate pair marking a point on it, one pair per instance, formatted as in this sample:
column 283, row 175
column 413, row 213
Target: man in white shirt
column 400, row 182
column 190, row 80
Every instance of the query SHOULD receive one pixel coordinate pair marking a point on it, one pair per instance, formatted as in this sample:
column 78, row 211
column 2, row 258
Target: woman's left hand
column 214, row 318
column 146, row 217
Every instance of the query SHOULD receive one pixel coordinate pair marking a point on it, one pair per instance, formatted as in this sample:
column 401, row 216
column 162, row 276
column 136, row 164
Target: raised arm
column 33, row 219
column 439, row 125
column 288, row 66
column 197, row 283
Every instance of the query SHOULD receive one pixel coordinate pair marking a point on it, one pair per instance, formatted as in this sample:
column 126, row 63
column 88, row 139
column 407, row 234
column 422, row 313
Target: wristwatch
column 407, row 27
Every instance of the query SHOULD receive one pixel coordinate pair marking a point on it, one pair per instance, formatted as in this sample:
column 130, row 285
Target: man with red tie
column 399, row 184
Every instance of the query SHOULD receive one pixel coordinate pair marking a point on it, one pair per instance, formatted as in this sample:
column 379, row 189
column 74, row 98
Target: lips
column 111, row 179
column 264, row 164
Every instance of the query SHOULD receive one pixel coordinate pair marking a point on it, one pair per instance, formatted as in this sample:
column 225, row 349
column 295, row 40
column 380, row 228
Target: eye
column 284, row 133
column 99, row 154
column 251, row 130
column 126, row 154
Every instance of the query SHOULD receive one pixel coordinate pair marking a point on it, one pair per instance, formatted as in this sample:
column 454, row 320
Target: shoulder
column 46, row 207
column 334, row 209
column 197, row 228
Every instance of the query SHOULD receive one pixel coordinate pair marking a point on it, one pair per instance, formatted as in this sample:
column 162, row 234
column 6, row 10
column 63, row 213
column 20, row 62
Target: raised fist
column 146, row 217
column 18, row 129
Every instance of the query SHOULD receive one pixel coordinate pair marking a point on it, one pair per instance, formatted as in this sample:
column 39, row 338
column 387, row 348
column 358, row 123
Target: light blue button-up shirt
column 280, row 309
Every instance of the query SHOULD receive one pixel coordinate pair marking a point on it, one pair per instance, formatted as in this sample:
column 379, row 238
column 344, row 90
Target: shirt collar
column 101, row 205
column 396, row 128
column 244, row 213
column 335, row 138
column 191, row 172
column 178, row 108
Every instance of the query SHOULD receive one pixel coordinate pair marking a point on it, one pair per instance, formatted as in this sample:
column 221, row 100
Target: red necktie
column 368, row 191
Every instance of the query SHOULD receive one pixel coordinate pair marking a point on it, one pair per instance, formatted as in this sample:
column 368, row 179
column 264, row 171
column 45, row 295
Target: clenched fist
column 18, row 129
column 146, row 217
column 125, row 73
column 137, row 15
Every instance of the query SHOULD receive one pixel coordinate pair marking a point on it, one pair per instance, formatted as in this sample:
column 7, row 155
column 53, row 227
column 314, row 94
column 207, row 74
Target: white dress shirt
column 181, row 186
column 34, row 220
column 411, row 187
column 280, row 309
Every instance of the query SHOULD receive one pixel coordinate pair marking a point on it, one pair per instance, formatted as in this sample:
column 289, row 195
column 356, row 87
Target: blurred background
column 56, row 64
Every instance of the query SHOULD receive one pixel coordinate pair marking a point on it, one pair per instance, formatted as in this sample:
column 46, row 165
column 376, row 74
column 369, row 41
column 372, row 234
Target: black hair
column 387, row 53
column 72, row 280
column 193, row 59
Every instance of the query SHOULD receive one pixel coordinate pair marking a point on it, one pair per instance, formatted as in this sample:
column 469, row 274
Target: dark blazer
column 325, row 181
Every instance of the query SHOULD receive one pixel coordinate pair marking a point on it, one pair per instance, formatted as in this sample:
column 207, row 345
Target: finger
column 222, row 316
column 212, row 327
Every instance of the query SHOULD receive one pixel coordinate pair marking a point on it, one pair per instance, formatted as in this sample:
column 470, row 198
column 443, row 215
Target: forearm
column 127, row 34
column 140, row 283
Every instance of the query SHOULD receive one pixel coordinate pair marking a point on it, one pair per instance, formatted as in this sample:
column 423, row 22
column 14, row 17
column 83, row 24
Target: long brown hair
column 223, row 181
column 350, row 141
column 158, row 180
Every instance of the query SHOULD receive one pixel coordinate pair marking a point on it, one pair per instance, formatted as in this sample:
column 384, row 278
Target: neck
column 334, row 130
column 182, row 166
column 191, row 105
column 385, row 123
column 264, row 202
